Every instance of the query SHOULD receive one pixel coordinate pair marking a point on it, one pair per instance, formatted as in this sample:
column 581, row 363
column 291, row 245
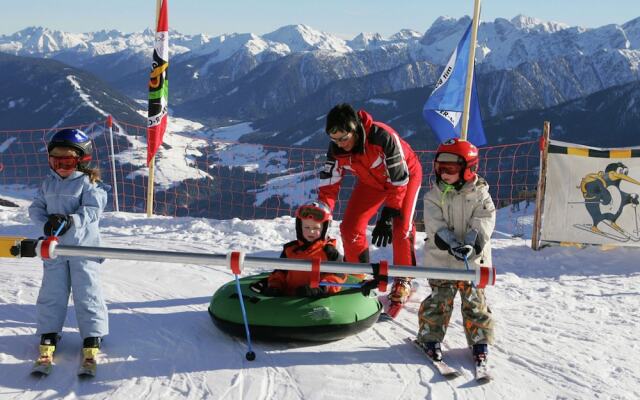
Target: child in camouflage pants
column 459, row 219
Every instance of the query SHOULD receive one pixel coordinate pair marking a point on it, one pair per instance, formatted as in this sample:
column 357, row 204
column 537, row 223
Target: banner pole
column 150, row 188
column 470, row 67
column 113, row 164
column 542, row 186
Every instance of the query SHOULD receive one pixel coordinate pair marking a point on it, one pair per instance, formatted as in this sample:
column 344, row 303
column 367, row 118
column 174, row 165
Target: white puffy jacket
column 461, row 211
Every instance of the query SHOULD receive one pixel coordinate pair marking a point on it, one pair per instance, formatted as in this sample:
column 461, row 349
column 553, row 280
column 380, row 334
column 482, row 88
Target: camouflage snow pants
column 435, row 312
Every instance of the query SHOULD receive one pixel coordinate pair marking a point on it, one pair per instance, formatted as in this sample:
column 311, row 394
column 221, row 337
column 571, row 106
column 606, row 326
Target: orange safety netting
column 217, row 179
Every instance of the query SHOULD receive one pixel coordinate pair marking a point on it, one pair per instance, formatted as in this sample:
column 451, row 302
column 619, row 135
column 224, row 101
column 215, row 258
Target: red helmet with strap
column 465, row 153
column 316, row 211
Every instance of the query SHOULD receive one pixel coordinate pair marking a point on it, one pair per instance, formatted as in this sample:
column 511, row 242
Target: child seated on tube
column 312, row 222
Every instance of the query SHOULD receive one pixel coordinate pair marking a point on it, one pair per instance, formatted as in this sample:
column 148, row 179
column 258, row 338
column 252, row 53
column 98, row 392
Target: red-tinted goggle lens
column 449, row 168
column 312, row 213
column 66, row 162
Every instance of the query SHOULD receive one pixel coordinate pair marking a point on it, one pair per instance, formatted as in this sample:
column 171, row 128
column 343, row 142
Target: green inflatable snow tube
column 293, row 318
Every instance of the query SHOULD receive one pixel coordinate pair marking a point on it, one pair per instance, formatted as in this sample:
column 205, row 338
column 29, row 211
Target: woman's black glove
column 55, row 221
column 383, row 231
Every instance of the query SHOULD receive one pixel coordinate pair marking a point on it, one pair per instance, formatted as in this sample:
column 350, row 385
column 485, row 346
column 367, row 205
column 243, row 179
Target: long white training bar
column 481, row 276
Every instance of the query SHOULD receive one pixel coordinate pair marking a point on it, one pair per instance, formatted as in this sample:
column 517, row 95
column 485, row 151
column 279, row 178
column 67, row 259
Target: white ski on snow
column 441, row 366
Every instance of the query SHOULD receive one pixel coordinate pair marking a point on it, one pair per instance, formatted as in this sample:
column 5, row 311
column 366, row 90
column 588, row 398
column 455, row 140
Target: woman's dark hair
column 342, row 118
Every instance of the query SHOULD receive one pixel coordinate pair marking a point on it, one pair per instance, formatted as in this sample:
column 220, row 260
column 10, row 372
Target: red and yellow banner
column 158, row 85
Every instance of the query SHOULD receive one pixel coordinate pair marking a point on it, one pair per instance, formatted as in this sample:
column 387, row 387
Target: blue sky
column 343, row 17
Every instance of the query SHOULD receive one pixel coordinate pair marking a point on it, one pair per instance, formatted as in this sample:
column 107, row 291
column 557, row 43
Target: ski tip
column 86, row 374
column 384, row 317
column 452, row 375
column 444, row 369
column 40, row 372
column 393, row 310
column 483, row 376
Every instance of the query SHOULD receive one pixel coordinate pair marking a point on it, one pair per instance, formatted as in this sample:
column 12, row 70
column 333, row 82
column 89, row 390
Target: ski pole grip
column 485, row 276
column 46, row 248
column 383, row 273
column 314, row 280
column 235, row 259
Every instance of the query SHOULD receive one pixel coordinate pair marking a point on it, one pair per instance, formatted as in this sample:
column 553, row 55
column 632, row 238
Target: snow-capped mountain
column 108, row 54
column 223, row 47
column 366, row 41
column 304, row 38
column 504, row 44
column 608, row 118
column 274, row 86
column 44, row 42
column 36, row 93
column 632, row 31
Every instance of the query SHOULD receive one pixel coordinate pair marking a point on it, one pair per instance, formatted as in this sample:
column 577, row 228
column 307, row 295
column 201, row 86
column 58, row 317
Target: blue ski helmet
column 75, row 139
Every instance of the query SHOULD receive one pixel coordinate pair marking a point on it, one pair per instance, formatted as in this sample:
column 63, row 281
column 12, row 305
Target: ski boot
column 480, row 352
column 433, row 350
column 399, row 294
column 400, row 291
column 44, row 363
column 90, row 350
column 482, row 372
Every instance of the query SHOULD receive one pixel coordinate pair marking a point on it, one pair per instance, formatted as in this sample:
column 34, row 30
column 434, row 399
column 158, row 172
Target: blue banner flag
column 443, row 109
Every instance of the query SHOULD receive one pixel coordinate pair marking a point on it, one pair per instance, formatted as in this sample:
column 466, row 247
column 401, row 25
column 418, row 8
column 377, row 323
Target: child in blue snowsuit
column 71, row 199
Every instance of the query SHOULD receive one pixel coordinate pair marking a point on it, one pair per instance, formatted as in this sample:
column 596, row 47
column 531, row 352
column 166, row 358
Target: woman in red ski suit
column 389, row 175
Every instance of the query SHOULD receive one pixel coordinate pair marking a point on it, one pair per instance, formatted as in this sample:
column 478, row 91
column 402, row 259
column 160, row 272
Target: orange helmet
column 456, row 151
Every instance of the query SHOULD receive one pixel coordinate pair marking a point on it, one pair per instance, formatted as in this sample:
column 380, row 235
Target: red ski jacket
column 381, row 160
column 289, row 281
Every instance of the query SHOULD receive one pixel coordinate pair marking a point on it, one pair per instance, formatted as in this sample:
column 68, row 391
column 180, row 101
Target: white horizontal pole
column 221, row 260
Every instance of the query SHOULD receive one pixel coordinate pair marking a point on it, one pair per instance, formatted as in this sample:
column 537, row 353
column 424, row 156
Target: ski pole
column 250, row 356
column 59, row 229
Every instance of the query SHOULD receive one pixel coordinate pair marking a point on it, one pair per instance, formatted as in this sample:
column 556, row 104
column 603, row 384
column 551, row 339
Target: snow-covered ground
column 567, row 325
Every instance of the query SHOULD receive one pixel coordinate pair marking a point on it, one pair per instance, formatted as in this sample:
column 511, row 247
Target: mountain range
column 285, row 81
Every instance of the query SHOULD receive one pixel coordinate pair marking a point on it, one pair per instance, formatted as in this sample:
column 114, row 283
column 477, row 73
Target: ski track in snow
column 566, row 326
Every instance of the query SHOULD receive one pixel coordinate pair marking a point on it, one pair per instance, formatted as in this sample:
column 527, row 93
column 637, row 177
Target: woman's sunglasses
column 342, row 139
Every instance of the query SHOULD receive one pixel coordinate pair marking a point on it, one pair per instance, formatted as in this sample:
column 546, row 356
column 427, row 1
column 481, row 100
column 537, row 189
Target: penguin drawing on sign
column 603, row 198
